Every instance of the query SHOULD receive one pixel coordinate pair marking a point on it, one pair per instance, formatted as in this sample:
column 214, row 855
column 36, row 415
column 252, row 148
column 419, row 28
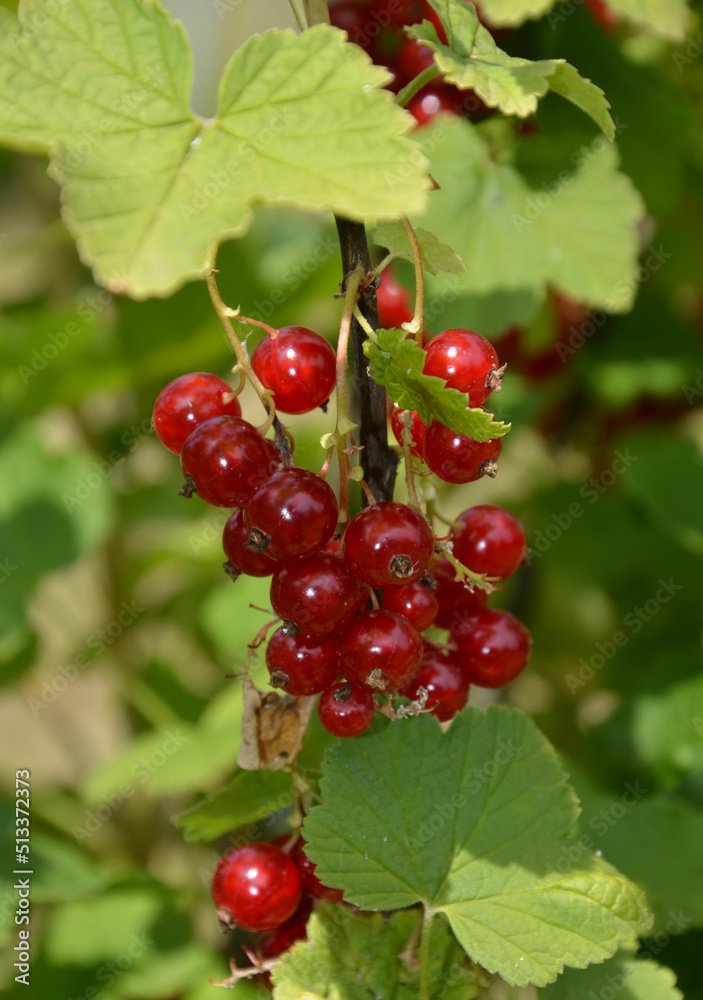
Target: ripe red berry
column 275, row 942
column 301, row 664
column 388, row 545
column 188, row 401
column 466, row 361
column 298, row 366
column 603, row 14
column 256, row 887
column 293, row 514
column 310, row 880
column 226, row 460
column 415, row 602
column 412, row 59
column 428, row 103
column 444, row 680
column 346, row 710
column 418, row 428
column 315, row 593
column 454, row 599
column 393, row 302
column 457, row 458
column 379, row 650
column 493, row 647
column 490, row 540
column 351, row 16
column 233, row 538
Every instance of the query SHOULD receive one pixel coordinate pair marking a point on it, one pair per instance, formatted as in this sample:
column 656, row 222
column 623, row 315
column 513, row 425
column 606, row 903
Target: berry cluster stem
column 344, row 424
column 416, row 323
column 224, row 313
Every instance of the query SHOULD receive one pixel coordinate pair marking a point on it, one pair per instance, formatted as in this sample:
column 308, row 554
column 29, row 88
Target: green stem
column 410, row 89
column 224, row 313
column 300, row 15
column 317, row 12
column 344, row 424
column 425, row 940
column 416, row 324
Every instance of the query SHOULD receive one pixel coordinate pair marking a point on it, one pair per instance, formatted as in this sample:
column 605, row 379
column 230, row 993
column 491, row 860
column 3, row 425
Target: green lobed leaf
column 471, row 60
column 150, row 187
column 513, row 13
column 352, row 957
column 472, row 823
column 578, row 236
column 248, row 797
column 396, row 363
column 625, row 976
column 436, row 256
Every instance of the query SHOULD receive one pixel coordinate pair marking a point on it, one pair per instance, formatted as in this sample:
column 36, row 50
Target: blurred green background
column 117, row 625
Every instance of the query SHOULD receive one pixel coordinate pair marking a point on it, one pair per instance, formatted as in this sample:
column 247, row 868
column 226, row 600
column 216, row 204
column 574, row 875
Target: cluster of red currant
column 354, row 606
column 269, row 888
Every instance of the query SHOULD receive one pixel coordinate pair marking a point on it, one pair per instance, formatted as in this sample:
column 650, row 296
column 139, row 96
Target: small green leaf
column 513, row 13
column 666, row 17
column 624, row 976
column 248, row 797
column 150, row 188
column 666, row 731
column 473, row 823
column 436, row 256
column 396, row 363
column 471, row 60
column 358, row 958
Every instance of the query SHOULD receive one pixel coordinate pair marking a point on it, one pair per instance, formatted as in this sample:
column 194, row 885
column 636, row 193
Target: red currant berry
column 301, row 664
column 241, row 559
column 351, row 16
column 466, row 361
column 456, row 458
column 188, row 401
column 427, row 104
column 316, row 593
column 490, row 540
column 346, row 710
column 414, row 602
column 380, row 651
column 298, row 366
column 310, row 880
column 444, row 680
column 418, row 429
column 493, row 647
column 454, row 599
column 388, row 545
column 604, row 15
column 393, row 302
column 293, row 514
column 256, row 887
column 412, row 59
column 275, row 942
column 226, row 460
